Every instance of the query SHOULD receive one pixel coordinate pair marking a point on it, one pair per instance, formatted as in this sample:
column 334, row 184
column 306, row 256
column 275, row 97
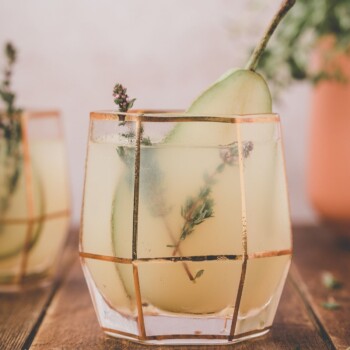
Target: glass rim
column 35, row 113
column 162, row 115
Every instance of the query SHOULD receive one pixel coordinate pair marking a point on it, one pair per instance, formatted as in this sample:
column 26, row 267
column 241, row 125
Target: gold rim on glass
column 181, row 116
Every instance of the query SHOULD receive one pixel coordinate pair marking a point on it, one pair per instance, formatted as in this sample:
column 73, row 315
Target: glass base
column 27, row 283
column 188, row 341
column 157, row 326
column 181, row 329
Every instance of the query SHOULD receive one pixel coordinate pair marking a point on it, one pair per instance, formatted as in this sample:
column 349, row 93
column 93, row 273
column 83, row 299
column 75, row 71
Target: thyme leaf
column 199, row 274
column 331, row 304
column 201, row 207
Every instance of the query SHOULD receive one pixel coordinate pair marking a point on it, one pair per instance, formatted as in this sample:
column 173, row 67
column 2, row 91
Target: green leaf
column 198, row 274
column 329, row 281
column 131, row 103
column 288, row 56
column 331, row 305
column 220, row 168
column 146, row 141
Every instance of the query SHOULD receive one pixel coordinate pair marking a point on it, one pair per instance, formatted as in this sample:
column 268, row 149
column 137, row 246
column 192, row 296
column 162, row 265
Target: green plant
column 10, row 133
column 288, row 57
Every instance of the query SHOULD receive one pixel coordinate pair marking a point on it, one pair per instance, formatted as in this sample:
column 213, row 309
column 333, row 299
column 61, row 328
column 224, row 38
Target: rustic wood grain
column 22, row 313
column 18, row 315
column 71, row 324
column 316, row 251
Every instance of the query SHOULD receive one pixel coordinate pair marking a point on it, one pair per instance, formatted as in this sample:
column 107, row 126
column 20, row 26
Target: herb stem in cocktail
column 197, row 209
column 158, row 205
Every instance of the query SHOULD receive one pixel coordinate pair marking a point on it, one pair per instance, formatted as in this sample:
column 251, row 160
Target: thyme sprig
column 152, row 176
column 121, row 98
column 201, row 207
column 6, row 93
column 10, row 132
column 196, row 211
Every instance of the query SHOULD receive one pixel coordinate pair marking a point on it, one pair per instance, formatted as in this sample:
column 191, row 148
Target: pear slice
column 237, row 92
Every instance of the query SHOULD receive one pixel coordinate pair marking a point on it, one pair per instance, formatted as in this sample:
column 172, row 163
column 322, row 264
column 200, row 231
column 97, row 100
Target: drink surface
column 49, row 198
column 179, row 186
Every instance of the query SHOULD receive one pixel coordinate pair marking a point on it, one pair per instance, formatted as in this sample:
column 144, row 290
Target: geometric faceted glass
column 34, row 200
column 186, row 234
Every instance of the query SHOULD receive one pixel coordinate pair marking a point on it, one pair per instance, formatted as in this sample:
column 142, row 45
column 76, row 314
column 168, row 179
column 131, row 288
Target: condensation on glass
column 185, row 231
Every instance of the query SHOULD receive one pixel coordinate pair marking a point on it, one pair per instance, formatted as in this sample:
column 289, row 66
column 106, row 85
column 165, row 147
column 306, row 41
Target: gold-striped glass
column 185, row 232
column 34, row 207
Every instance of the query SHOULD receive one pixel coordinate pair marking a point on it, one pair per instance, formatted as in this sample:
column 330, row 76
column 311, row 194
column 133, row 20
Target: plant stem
column 254, row 58
column 194, row 206
column 229, row 157
column 184, row 264
column 10, row 135
column 157, row 203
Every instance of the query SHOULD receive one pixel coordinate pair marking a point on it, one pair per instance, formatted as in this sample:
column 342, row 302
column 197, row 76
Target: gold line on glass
column 197, row 258
column 244, row 235
column 143, row 116
column 140, row 319
column 43, row 114
column 136, row 190
column 29, row 195
column 91, row 125
column 36, row 219
column 286, row 182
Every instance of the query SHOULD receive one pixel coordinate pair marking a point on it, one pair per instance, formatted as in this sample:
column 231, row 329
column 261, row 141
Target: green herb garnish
column 310, row 22
column 331, row 304
column 10, row 133
column 121, row 98
column 198, row 275
column 200, row 208
column 330, row 282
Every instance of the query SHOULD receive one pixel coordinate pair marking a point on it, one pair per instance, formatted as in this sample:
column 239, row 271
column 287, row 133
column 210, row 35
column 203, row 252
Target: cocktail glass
column 185, row 239
column 34, row 201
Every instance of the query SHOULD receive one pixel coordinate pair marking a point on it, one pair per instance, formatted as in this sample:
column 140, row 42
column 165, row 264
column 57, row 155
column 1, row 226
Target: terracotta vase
column 328, row 176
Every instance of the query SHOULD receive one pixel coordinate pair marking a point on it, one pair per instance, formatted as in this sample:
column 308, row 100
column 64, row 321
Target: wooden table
column 62, row 316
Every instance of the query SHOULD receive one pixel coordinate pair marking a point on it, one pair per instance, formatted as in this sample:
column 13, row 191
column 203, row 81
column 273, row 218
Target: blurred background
column 71, row 53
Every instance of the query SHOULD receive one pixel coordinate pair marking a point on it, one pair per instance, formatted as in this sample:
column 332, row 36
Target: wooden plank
column 71, row 324
column 22, row 313
column 318, row 250
column 18, row 316
column 293, row 329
